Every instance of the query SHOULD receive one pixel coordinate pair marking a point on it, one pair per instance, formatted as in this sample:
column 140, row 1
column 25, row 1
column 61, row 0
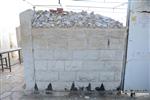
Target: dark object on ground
column 89, row 87
column 97, row 88
column 36, row 90
column 101, row 88
column 73, row 88
column 132, row 94
column 118, row 88
column 81, row 88
column 49, row 89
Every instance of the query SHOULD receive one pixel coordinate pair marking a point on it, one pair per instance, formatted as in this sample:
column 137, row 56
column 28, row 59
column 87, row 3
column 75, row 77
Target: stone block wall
column 64, row 55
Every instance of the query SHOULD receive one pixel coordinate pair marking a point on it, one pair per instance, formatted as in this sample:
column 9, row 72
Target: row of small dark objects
column 74, row 90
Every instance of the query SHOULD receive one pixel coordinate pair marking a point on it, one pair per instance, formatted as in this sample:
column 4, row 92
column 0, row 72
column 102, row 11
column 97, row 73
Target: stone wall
column 64, row 55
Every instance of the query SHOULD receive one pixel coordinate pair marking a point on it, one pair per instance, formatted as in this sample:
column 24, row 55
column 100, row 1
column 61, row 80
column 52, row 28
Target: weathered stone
column 69, row 47
column 85, row 55
column 56, row 65
column 57, row 43
column 41, row 64
column 93, row 65
column 67, row 76
column 73, row 19
column 111, row 55
column 97, row 43
column 46, row 76
column 87, row 76
column 107, row 76
column 62, row 54
column 73, row 65
column 43, row 54
column 77, row 44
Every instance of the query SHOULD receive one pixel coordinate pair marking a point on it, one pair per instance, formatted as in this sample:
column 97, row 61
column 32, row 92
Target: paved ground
column 11, row 88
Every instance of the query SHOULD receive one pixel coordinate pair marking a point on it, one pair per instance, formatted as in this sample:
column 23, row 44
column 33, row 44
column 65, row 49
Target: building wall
column 138, row 56
column 64, row 55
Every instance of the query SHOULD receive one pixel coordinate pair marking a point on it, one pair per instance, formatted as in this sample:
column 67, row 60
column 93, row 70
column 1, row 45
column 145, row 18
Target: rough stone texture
column 88, row 76
column 73, row 19
column 46, row 76
column 56, row 65
column 81, row 55
column 26, row 44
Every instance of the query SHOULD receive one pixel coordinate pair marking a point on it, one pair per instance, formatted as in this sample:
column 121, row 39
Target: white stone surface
column 38, row 44
column 107, row 76
column 111, row 55
column 113, row 65
column 77, row 43
column 88, row 76
column 67, row 76
column 46, row 76
column 43, row 54
column 41, row 64
column 93, row 65
column 85, row 54
column 56, row 65
column 73, row 65
column 73, row 19
column 79, row 53
column 62, row 54
column 57, row 43
column 97, row 43
column 117, row 43
column 117, row 75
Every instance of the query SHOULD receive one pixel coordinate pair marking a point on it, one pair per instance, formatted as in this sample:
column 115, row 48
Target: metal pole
column 126, row 46
column 59, row 2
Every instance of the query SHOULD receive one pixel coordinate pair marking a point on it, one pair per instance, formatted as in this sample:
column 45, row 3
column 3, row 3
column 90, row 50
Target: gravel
column 48, row 19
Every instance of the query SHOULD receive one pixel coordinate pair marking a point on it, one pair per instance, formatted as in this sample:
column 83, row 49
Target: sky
column 10, row 10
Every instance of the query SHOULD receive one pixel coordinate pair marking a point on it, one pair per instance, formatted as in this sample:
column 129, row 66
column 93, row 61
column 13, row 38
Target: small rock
column 73, row 19
column 86, row 97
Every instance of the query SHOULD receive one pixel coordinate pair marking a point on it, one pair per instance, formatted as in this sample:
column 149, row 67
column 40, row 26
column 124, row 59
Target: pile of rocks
column 65, row 19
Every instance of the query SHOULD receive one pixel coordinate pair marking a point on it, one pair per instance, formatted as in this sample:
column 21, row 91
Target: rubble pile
column 65, row 19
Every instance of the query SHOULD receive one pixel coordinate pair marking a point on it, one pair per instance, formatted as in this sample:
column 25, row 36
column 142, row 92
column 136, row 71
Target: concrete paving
column 12, row 88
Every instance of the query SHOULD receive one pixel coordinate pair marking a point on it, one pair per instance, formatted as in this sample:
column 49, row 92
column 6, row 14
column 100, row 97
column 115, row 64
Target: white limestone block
column 41, row 64
column 107, row 76
column 48, row 76
column 67, row 76
column 56, row 65
column 113, row 66
column 62, row 54
column 96, row 33
column 43, row 54
column 88, row 76
column 76, row 33
column 97, row 43
column 117, row 33
column 40, row 43
column 117, row 44
column 77, row 44
column 111, row 55
column 117, row 75
column 73, row 65
column 93, row 65
column 57, row 43
column 85, row 54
